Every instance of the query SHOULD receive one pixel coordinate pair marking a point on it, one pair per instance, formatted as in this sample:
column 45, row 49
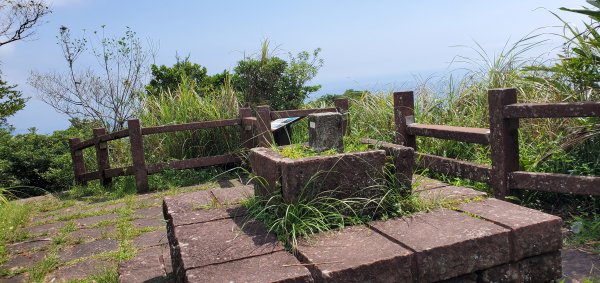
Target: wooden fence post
column 102, row 157
column 265, row 137
column 341, row 104
column 247, row 133
column 137, row 155
column 78, row 162
column 504, row 140
column 404, row 114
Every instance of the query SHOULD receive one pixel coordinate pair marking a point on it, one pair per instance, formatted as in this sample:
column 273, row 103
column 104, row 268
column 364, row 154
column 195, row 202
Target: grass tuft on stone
column 308, row 216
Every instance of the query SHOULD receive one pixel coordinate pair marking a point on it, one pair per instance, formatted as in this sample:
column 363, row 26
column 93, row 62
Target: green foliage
column 276, row 82
column 329, row 99
column 12, row 218
column 11, row 101
column 585, row 230
column 169, row 79
column 33, row 163
column 185, row 105
column 300, row 150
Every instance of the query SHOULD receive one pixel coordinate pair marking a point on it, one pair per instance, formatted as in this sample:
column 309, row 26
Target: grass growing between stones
column 13, row 216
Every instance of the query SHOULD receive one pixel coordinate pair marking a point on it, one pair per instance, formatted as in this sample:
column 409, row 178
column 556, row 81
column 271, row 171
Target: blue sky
column 374, row 45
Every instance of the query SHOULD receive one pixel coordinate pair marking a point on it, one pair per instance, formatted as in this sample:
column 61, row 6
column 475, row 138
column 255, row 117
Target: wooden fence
column 502, row 137
column 253, row 131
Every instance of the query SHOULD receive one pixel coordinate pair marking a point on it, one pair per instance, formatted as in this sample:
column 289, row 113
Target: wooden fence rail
column 502, row 137
column 253, row 131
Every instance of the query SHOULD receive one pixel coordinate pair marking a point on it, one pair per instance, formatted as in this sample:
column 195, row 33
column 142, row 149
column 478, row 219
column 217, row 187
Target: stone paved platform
column 152, row 260
column 479, row 241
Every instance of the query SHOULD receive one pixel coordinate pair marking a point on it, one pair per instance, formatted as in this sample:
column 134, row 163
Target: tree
column 19, row 17
column 183, row 71
column 169, row 78
column 11, row 101
column 110, row 95
column 272, row 80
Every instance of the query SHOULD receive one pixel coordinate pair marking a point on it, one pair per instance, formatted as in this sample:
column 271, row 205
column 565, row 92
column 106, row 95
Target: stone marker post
column 326, row 131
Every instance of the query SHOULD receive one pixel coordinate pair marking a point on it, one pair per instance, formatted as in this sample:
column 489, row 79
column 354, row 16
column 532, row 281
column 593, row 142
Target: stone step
column 481, row 241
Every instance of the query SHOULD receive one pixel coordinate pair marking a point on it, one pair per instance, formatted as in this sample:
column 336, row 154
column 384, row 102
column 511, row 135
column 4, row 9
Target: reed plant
column 186, row 105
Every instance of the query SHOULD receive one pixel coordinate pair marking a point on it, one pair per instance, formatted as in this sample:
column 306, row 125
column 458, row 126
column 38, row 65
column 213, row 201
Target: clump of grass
column 586, row 231
column 308, row 215
column 13, row 217
column 185, row 105
column 351, row 144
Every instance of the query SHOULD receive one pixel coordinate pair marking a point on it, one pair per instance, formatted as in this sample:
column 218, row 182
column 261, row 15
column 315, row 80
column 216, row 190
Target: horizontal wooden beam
column 462, row 134
column 94, row 175
column 299, row 113
column 552, row 110
column 194, row 163
column 453, row 167
column 552, row 182
column 114, row 136
column 122, row 171
column 190, row 126
column 103, row 138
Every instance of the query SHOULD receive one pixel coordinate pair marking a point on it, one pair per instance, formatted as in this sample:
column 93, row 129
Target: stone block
column 88, row 249
column 266, row 167
column 325, row 131
column 356, row 254
column 533, row 232
column 146, row 266
column 449, row 193
column 206, row 215
column 357, row 174
column 274, row 267
column 215, row 242
column 542, row 268
column 447, row 243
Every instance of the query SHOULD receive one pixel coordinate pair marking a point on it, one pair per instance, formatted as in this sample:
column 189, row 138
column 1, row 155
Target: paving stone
column 148, row 223
column 542, row 268
column 214, row 242
column 146, row 266
column 19, row 278
column 449, row 193
column 90, row 221
column 88, row 249
column 205, row 215
column 577, row 265
column 274, row 267
column 88, row 234
column 29, row 246
column 108, row 207
column 80, row 270
column 151, row 239
column 49, row 228
column 448, row 243
column 356, row 254
column 423, row 183
column 149, row 212
column 23, row 260
column 229, row 196
column 186, row 202
column 533, row 232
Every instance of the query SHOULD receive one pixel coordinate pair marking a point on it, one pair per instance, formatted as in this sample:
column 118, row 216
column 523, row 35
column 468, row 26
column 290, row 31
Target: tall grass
column 186, row 105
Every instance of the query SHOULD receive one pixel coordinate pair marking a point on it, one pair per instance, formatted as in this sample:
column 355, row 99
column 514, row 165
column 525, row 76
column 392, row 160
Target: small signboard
column 280, row 123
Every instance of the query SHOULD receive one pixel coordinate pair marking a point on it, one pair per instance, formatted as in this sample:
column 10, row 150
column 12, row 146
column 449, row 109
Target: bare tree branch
column 108, row 93
column 19, row 17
